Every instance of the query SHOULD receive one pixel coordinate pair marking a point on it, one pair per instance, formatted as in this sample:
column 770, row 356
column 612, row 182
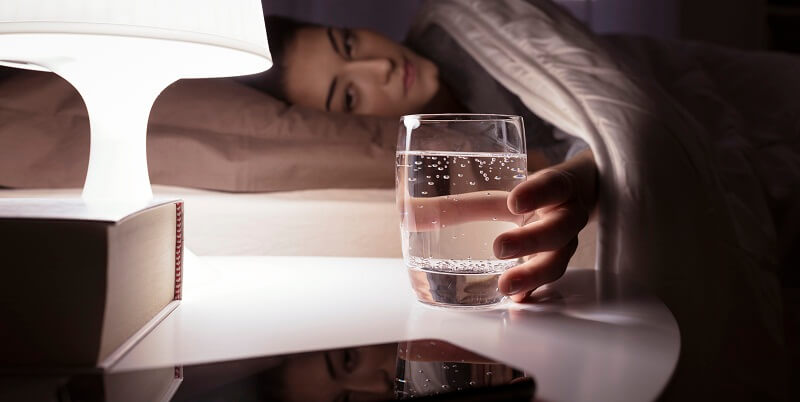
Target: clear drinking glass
column 453, row 176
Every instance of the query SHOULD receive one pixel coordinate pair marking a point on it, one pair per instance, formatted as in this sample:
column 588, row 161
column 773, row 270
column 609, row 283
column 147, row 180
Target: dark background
column 748, row 24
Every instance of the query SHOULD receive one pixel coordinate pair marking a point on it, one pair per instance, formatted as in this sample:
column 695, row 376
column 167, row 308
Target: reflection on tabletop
column 432, row 370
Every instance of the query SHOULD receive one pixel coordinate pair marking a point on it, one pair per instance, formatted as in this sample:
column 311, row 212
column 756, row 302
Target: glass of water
column 453, row 176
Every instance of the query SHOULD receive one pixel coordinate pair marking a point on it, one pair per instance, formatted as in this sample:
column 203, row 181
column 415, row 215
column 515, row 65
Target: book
column 81, row 284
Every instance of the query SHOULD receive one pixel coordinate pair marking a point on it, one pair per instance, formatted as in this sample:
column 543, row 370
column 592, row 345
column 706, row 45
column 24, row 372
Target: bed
column 693, row 145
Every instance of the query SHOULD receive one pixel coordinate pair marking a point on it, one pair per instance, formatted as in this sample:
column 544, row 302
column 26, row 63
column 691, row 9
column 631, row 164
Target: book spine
column 178, row 250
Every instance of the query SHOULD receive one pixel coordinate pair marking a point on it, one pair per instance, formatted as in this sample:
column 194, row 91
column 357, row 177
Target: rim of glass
column 460, row 117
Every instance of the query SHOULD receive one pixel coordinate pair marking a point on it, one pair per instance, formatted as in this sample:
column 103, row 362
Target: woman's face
column 357, row 71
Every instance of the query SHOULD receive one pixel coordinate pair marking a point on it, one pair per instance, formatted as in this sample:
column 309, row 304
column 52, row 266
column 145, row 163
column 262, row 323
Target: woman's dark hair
column 281, row 32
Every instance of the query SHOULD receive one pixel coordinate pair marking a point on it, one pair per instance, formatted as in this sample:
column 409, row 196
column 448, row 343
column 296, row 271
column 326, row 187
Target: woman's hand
column 551, row 207
column 562, row 198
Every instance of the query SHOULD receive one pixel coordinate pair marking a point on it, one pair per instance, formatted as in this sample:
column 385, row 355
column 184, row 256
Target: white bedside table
column 577, row 347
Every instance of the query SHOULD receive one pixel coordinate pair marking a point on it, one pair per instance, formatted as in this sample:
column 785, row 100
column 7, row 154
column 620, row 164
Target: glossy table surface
column 578, row 345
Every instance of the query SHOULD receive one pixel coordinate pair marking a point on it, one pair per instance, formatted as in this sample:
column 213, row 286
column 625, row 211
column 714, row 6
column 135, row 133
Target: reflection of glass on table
column 430, row 367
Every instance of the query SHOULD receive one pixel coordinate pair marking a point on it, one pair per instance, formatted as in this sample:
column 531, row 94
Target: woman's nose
column 380, row 68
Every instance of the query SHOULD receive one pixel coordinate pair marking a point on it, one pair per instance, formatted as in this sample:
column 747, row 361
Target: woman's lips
column 410, row 75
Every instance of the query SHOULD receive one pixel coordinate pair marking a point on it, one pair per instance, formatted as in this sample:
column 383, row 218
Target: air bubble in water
column 446, row 177
column 485, row 178
column 430, row 183
column 460, row 175
column 424, row 193
column 472, row 383
column 427, row 177
column 463, row 165
column 494, row 219
column 417, row 162
column 445, row 386
column 519, row 176
column 472, row 183
column 412, row 179
column 497, row 177
column 440, row 168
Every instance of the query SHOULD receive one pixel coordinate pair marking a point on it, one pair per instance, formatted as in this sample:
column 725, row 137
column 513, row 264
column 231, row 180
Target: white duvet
column 692, row 163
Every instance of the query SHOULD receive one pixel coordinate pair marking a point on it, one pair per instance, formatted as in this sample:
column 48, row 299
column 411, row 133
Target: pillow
column 215, row 134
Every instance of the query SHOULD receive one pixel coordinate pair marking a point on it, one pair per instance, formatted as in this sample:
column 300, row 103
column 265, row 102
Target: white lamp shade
column 229, row 31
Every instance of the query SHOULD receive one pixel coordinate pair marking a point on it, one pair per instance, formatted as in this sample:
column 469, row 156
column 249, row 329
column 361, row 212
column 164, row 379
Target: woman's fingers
column 554, row 230
column 543, row 188
column 563, row 197
column 575, row 179
column 430, row 213
column 541, row 269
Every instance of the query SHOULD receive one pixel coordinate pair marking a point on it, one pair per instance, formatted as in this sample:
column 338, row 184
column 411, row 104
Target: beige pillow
column 214, row 134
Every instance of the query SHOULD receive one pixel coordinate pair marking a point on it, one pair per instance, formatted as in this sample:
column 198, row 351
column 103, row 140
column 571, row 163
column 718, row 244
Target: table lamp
column 120, row 55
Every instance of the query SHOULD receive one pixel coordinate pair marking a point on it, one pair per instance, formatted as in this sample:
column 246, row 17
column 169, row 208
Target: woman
column 705, row 161
column 362, row 72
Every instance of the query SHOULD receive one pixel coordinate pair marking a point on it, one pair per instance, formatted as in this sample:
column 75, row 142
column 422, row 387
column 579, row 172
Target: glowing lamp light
column 120, row 55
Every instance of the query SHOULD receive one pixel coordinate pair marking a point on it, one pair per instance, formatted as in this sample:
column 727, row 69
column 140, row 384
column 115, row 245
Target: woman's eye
column 349, row 41
column 349, row 99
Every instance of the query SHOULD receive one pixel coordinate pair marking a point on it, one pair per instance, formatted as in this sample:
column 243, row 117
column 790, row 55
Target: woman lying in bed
column 698, row 145
column 362, row 72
